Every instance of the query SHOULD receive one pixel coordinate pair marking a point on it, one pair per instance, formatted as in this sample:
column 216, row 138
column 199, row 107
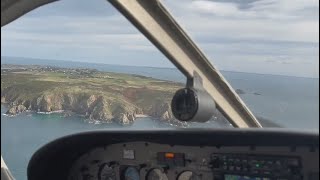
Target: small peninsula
column 103, row 96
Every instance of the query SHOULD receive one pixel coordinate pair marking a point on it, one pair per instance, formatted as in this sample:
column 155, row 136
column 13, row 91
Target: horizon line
column 65, row 60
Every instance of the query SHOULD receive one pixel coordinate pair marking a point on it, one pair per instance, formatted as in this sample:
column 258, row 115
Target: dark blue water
column 292, row 102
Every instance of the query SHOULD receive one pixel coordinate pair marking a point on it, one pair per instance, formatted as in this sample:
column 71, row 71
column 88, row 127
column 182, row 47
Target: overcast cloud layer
column 260, row 36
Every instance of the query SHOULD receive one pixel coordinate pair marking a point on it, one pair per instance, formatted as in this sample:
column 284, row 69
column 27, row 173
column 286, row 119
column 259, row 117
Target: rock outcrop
column 94, row 107
column 161, row 110
column 16, row 109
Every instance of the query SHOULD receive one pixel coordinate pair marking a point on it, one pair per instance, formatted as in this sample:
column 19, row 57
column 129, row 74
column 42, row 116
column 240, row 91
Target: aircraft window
column 268, row 51
column 75, row 65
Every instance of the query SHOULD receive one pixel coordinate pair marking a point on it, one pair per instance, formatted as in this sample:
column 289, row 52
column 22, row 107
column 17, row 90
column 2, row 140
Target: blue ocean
column 291, row 102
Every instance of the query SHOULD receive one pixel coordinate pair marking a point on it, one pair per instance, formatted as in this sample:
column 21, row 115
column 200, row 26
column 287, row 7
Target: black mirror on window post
column 193, row 103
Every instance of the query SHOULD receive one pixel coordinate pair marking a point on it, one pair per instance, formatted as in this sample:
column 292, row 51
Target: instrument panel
column 197, row 154
column 153, row 161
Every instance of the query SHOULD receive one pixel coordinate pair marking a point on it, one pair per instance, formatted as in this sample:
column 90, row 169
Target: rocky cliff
column 95, row 107
column 98, row 96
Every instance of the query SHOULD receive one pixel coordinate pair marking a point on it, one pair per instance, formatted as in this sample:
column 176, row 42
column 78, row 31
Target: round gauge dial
column 188, row 175
column 131, row 173
column 156, row 174
column 106, row 172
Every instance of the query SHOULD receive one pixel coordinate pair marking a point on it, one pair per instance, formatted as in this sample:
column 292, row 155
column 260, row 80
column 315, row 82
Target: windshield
column 73, row 66
column 267, row 50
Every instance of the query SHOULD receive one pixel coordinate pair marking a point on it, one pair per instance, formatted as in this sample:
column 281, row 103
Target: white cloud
column 256, row 38
column 111, row 31
column 285, row 6
column 217, row 8
column 278, row 35
column 267, row 19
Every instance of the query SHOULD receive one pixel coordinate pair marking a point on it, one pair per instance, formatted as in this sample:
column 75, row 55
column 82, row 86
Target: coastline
column 142, row 116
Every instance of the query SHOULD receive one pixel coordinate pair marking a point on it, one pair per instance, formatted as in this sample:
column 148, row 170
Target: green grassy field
column 21, row 84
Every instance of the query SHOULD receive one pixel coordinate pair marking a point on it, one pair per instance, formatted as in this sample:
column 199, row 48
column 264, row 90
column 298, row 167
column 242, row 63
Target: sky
column 257, row 36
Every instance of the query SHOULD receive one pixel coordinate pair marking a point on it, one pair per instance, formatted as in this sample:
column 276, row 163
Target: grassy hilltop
column 98, row 95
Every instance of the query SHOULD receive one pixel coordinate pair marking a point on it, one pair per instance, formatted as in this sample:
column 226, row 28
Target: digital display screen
column 240, row 177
